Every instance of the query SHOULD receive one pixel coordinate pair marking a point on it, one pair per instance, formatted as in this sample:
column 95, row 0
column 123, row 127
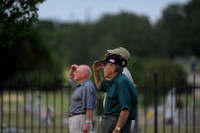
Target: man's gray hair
column 118, row 69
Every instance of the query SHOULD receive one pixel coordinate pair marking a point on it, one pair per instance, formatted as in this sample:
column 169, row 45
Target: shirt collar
column 82, row 83
column 115, row 78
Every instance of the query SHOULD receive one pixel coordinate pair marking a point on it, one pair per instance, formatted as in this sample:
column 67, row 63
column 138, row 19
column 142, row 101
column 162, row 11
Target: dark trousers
column 108, row 125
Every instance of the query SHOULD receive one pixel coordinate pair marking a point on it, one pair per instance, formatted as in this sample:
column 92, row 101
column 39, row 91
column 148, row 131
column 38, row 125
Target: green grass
column 168, row 129
column 24, row 119
column 59, row 100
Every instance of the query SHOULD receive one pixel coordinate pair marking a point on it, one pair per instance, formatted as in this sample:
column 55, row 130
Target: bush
column 169, row 75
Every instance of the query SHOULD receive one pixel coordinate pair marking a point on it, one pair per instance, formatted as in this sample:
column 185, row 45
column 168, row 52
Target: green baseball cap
column 120, row 51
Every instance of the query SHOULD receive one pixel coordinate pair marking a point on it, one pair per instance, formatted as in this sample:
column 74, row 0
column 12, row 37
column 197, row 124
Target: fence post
column 9, row 105
column 186, row 123
column 1, row 111
column 54, row 103
column 39, row 109
column 164, row 103
column 193, row 90
column 61, row 121
column 24, row 90
column 145, row 103
column 155, row 101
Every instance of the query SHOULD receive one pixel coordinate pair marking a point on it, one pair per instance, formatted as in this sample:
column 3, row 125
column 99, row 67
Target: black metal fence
column 39, row 108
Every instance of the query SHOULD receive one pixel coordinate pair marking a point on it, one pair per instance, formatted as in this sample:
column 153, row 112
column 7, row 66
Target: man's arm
column 122, row 120
column 87, row 121
column 97, row 76
column 71, row 71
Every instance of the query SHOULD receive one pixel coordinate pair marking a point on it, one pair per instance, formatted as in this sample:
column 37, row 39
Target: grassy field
column 16, row 116
column 169, row 129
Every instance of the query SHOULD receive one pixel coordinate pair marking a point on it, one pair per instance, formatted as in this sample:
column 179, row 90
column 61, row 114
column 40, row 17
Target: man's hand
column 115, row 131
column 86, row 128
column 121, row 120
column 71, row 71
column 97, row 76
column 74, row 67
column 97, row 66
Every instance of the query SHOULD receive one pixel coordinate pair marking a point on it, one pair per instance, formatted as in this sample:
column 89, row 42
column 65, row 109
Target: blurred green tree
column 29, row 55
column 21, row 48
column 192, row 26
column 77, row 43
column 172, row 26
column 17, row 16
column 169, row 75
column 179, row 29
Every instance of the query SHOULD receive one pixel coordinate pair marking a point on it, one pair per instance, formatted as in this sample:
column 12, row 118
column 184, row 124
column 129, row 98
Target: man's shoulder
column 88, row 84
column 128, row 74
column 122, row 77
column 88, row 81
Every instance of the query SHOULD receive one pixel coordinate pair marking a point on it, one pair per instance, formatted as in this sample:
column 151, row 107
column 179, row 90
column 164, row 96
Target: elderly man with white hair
column 83, row 100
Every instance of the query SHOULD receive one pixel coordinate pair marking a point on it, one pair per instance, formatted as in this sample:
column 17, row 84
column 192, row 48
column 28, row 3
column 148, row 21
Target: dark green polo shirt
column 121, row 94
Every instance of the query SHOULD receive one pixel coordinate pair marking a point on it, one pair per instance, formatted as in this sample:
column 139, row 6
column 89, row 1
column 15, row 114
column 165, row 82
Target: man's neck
column 112, row 76
column 80, row 81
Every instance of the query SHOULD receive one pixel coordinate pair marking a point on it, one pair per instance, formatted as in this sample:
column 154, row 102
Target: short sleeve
column 73, row 83
column 89, row 97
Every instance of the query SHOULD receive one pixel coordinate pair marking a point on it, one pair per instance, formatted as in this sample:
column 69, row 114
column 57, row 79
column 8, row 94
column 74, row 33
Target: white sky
column 84, row 10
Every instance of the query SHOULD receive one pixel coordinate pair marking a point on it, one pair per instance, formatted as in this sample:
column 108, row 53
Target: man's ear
column 84, row 76
column 114, row 67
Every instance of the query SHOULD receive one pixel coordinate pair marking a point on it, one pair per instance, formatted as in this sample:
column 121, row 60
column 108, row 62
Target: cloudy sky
column 92, row 10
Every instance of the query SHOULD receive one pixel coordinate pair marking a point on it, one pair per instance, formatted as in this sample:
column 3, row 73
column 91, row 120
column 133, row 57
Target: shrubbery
column 169, row 74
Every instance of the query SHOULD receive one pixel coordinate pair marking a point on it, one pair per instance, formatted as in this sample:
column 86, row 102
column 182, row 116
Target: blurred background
column 49, row 36
column 41, row 39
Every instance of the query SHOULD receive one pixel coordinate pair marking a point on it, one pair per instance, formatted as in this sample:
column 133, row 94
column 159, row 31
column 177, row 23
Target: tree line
column 175, row 34
column 49, row 46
